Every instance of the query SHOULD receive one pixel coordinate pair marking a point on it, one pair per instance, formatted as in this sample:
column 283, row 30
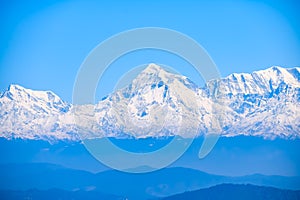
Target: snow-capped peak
column 14, row 91
column 278, row 75
column 153, row 98
column 153, row 74
column 30, row 114
column 19, row 93
column 152, row 68
column 262, row 82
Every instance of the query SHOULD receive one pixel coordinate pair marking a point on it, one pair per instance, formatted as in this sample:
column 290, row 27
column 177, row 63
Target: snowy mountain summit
column 30, row 114
column 156, row 103
column 159, row 103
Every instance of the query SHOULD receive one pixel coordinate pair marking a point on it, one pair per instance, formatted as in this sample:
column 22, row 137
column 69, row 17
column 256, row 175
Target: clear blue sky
column 43, row 43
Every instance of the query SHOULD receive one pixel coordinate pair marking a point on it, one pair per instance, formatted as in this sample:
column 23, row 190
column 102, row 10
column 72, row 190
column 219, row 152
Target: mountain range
column 223, row 191
column 158, row 103
column 162, row 183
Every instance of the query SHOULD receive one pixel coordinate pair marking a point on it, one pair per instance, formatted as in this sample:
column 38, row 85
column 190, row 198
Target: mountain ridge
column 162, row 183
column 222, row 191
column 237, row 191
column 158, row 103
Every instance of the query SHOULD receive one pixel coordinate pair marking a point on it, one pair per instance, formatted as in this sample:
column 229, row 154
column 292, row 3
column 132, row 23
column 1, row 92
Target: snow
column 264, row 103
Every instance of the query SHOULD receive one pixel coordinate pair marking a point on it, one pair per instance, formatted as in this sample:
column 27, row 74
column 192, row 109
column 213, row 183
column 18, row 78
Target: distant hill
column 237, row 192
column 219, row 192
column 56, row 194
column 157, row 184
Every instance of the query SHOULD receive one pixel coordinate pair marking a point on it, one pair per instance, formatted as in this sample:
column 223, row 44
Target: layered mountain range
column 158, row 103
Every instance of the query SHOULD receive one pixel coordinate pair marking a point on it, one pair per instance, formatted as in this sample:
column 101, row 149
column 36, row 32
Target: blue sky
column 43, row 43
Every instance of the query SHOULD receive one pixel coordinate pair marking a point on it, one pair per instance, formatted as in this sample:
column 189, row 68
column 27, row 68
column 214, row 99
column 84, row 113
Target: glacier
column 159, row 103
